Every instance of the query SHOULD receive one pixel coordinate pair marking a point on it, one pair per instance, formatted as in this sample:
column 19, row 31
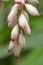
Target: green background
column 33, row 55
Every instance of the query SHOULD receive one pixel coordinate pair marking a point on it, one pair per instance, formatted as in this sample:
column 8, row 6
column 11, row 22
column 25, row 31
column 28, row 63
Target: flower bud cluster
column 18, row 19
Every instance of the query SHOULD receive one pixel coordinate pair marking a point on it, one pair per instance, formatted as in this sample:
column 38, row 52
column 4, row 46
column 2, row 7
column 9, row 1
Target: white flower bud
column 32, row 10
column 19, row 1
column 13, row 13
column 34, row 2
column 17, row 50
column 23, row 22
column 14, row 33
column 21, row 41
column 11, row 45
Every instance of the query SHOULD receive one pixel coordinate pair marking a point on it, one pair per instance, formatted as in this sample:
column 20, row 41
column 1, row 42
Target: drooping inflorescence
column 18, row 19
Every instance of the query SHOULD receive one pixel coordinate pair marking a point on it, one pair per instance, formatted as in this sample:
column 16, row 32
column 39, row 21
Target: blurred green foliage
column 33, row 55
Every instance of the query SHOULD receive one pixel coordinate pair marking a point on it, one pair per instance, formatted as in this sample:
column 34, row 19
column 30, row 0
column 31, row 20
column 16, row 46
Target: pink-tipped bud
column 19, row 1
column 21, row 41
column 32, row 10
column 17, row 50
column 23, row 22
column 13, row 13
column 14, row 33
column 11, row 45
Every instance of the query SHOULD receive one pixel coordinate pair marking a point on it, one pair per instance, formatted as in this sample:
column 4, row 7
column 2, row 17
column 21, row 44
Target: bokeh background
column 33, row 55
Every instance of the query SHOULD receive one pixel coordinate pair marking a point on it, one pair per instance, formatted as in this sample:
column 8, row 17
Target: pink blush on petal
column 24, row 26
column 10, row 18
column 13, row 38
column 9, row 49
column 37, row 14
column 19, row 1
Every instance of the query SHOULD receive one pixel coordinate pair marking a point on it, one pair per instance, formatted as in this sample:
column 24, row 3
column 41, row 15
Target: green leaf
column 34, row 57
